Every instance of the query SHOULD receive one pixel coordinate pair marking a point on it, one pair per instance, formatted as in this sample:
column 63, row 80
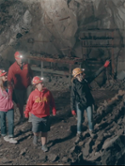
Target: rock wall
column 54, row 26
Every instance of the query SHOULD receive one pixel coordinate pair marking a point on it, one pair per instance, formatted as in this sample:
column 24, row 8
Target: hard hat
column 18, row 55
column 37, row 80
column 77, row 71
column 2, row 72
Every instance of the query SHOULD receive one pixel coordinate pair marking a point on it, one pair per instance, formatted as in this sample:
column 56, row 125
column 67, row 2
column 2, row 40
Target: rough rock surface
column 106, row 147
column 54, row 27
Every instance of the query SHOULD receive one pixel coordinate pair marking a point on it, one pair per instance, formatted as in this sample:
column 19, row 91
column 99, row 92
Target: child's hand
column 26, row 115
column 54, row 114
column 29, row 114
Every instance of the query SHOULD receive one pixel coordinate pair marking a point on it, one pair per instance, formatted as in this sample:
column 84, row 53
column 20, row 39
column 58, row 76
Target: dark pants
column 10, row 119
column 23, row 94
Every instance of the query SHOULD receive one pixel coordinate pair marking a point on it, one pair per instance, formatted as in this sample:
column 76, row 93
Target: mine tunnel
column 63, row 43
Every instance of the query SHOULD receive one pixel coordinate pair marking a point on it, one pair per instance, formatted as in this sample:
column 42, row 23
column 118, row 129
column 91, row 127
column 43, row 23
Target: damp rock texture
column 54, row 27
column 106, row 147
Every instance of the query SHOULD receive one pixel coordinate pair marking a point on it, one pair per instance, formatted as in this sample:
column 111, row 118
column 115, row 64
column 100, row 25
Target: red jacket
column 20, row 78
column 39, row 103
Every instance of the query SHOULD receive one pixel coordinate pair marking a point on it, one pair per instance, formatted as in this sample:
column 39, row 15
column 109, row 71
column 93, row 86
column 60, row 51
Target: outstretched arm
column 98, row 72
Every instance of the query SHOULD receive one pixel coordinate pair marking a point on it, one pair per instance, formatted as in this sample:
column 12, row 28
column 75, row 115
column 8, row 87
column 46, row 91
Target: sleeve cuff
column 54, row 111
column 26, row 114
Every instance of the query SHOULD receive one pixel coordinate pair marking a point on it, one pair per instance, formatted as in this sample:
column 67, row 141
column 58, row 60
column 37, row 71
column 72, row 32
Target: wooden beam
column 42, row 69
column 65, row 61
column 46, row 70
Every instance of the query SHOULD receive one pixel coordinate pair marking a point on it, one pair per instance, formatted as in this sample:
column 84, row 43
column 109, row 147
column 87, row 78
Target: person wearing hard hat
column 21, row 75
column 38, row 107
column 82, row 99
column 6, row 108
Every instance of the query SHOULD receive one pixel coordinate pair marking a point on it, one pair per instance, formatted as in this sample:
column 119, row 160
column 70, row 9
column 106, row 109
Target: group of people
column 16, row 87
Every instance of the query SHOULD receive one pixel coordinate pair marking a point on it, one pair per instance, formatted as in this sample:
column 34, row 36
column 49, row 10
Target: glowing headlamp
column 21, row 56
column 42, row 78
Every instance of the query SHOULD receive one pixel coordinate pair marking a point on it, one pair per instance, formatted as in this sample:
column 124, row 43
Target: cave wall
column 53, row 27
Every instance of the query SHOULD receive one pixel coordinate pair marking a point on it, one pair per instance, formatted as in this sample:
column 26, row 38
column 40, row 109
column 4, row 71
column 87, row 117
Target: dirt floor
column 61, row 138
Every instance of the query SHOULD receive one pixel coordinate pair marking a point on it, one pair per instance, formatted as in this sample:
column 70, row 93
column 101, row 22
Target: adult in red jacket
column 38, row 107
column 20, row 74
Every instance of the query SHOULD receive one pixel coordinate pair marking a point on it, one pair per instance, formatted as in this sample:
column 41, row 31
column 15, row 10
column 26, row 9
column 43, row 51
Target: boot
column 92, row 133
column 35, row 140
column 44, row 148
column 78, row 138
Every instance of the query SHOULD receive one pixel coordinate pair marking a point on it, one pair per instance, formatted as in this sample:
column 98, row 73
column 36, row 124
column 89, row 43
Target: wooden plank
column 96, row 31
column 65, row 61
column 70, row 74
column 102, row 46
column 29, row 61
column 95, row 39
column 42, row 69
column 50, row 70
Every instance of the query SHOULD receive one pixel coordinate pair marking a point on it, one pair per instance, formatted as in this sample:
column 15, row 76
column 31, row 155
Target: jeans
column 89, row 111
column 10, row 118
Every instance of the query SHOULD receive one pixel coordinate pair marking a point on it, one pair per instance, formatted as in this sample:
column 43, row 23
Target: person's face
column 80, row 76
column 4, row 78
column 40, row 86
column 19, row 61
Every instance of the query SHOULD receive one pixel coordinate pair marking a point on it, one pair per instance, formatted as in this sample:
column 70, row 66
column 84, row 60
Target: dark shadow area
column 60, row 140
column 20, row 123
column 73, row 130
column 83, row 162
column 120, row 114
column 56, row 119
column 18, row 134
column 121, row 161
column 98, row 117
column 23, row 138
column 29, row 128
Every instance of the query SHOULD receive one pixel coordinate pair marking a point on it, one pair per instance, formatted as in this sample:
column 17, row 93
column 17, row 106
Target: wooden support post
column 41, row 68
column 112, row 56
column 80, row 64
column 70, row 73
column 29, row 61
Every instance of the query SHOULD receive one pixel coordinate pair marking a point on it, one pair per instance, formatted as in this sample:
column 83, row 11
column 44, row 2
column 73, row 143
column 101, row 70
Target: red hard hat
column 2, row 72
column 37, row 80
column 17, row 55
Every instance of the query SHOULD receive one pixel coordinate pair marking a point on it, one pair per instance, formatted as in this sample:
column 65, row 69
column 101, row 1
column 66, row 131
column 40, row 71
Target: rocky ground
column 107, row 146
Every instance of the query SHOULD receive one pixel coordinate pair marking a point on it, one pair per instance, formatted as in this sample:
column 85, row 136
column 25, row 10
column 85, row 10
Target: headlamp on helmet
column 42, row 78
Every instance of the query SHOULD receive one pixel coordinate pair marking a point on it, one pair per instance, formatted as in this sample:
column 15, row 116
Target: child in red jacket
column 38, row 106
